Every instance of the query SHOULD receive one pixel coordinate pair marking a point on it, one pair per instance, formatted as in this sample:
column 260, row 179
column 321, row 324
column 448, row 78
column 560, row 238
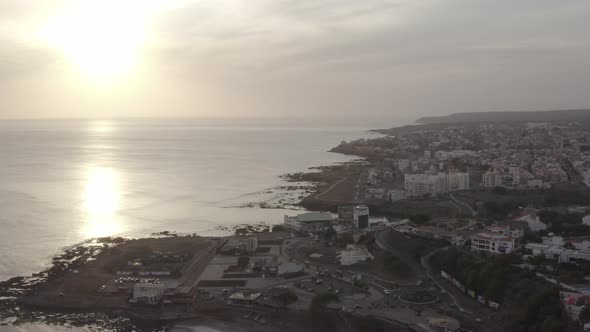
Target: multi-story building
column 310, row 222
column 355, row 215
column 493, row 242
column 458, row 181
column 421, row 184
column 361, row 216
column 394, row 195
column 491, row 179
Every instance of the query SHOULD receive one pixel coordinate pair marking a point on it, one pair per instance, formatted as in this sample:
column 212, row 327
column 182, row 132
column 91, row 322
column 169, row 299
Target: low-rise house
column 181, row 296
column 289, row 268
column 242, row 298
column 458, row 240
column 533, row 221
column 147, row 293
column 573, row 303
column 553, row 248
column 354, row 254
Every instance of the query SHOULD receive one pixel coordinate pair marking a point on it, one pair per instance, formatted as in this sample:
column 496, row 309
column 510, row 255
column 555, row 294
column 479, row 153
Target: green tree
column 585, row 313
column 421, row 218
column 319, row 302
column 330, row 233
column 288, row 297
column 243, row 261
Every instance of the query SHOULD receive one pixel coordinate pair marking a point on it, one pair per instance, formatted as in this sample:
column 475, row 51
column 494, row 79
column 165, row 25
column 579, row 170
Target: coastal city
column 294, row 165
column 463, row 227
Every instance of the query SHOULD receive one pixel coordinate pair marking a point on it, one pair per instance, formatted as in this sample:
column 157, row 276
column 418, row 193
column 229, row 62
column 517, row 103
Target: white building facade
column 495, row 243
column 145, row 293
column 422, row 184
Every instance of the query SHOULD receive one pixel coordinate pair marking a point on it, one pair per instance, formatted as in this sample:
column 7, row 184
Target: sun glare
column 104, row 39
column 101, row 203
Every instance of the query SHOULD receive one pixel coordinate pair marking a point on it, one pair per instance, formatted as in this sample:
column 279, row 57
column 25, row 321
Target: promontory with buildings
column 446, row 226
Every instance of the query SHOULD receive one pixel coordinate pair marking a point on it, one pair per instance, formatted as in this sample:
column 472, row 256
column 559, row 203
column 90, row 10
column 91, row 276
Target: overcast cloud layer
column 315, row 57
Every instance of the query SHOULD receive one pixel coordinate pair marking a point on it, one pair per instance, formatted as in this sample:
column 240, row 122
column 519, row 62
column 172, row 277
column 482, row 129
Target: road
column 425, row 268
column 192, row 271
column 380, row 293
column 319, row 196
column 428, row 269
column 463, row 204
column 383, row 243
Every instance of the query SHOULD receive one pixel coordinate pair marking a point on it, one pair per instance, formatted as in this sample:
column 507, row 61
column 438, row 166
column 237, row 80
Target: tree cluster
column 529, row 303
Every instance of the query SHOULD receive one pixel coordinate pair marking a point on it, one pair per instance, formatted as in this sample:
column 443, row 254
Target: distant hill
column 533, row 116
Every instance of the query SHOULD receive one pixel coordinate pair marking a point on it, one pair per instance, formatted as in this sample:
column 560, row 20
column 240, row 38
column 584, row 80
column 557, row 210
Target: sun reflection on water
column 101, row 126
column 101, row 202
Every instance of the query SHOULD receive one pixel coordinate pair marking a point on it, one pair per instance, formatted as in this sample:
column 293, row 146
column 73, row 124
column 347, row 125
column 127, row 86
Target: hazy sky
column 157, row 58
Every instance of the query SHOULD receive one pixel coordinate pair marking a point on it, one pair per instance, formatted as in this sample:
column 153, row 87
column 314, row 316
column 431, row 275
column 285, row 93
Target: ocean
column 65, row 181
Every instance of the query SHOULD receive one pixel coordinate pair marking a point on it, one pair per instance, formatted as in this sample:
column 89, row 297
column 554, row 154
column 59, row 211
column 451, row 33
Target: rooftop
column 313, row 217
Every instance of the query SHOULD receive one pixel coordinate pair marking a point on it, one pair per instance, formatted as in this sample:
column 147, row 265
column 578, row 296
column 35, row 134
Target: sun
column 103, row 39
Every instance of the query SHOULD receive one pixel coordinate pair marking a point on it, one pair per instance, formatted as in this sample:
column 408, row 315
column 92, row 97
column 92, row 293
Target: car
column 225, row 290
column 386, row 292
column 319, row 282
column 443, row 291
column 419, row 283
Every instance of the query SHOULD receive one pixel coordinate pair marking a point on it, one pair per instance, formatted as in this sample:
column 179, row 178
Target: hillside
column 582, row 115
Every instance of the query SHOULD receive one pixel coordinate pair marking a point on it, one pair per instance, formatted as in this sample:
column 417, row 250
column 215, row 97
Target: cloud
column 335, row 57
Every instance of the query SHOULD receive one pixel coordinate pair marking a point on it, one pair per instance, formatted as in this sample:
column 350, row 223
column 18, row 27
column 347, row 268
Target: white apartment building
column 495, row 243
column 421, row 184
column 491, row 179
column 310, row 221
column 458, row 181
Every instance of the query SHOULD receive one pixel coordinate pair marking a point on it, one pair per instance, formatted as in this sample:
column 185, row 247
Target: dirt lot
column 80, row 289
column 341, row 191
column 405, row 271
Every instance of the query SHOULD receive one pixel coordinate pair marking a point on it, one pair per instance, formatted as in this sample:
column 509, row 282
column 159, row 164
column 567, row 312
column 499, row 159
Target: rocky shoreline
column 16, row 310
